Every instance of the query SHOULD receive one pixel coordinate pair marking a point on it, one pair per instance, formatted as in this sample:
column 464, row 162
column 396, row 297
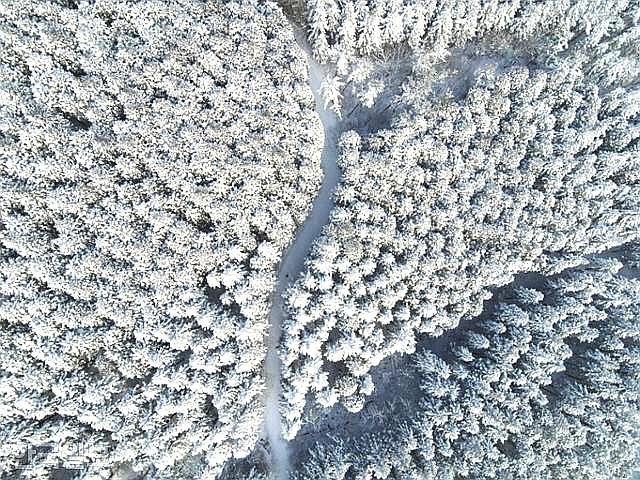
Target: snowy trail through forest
column 290, row 268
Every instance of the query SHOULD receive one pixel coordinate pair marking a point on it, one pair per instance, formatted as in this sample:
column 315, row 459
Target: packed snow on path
column 290, row 268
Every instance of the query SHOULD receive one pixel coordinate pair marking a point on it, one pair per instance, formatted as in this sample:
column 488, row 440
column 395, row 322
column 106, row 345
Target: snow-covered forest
column 320, row 239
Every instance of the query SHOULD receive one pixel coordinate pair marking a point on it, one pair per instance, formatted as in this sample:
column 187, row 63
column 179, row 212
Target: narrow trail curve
column 290, row 267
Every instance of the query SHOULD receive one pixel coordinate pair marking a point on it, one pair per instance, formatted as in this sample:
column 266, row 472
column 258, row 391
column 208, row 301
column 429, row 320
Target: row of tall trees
column 509, row 169
column 546, row 387
column 155, row 160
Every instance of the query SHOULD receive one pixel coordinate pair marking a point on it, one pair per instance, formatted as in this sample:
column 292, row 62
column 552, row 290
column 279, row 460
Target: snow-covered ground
column 290, row 268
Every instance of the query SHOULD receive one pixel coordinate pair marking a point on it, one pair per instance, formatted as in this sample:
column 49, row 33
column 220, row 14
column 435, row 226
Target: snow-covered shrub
column 527, row 171
column 155, row 160
column 544, row 388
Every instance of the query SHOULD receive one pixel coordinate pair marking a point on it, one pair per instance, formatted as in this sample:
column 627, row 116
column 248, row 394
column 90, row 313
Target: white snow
column 290, row 268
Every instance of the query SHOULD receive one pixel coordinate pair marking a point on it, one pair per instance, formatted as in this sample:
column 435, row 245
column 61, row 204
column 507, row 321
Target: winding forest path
column 290, row 268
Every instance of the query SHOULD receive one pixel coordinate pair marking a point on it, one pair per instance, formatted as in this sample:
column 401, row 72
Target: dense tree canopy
column 160, row 162
column 544, row 388
column 529, row 170
column 156, row 159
